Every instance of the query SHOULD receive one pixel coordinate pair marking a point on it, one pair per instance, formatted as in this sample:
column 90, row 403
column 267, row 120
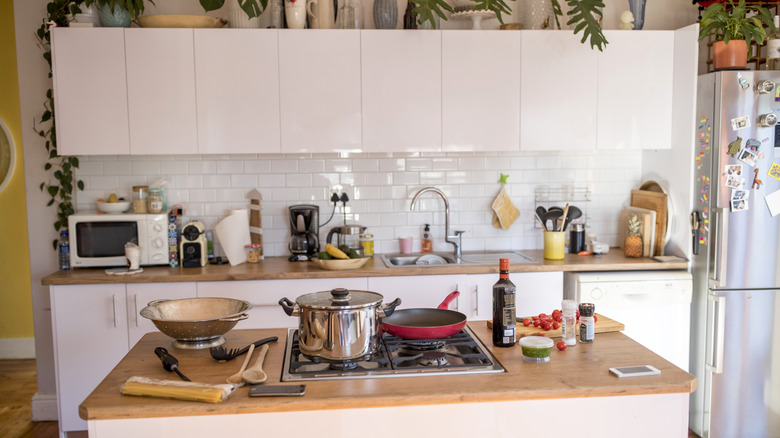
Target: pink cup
column 406, row 244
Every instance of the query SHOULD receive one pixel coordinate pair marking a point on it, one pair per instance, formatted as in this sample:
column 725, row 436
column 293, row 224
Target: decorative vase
column 239, row 19
column 385, row 14
column 537, row 14
column 731, row 55
column 118, row 18
column 295, row 14
column 638, row 9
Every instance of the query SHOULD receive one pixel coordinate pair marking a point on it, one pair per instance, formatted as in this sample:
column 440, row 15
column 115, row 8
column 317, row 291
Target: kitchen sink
column 444, row 258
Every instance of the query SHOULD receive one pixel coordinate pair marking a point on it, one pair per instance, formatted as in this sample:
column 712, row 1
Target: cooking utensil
column 563, row 218
column 221, row 353
column 426, row 323
column 339, row 325
column 196, row 323
column 238, row 378
column 539, row 215
column 574, row 213
column 553, row 215
column 169, row 362
column 255, row 373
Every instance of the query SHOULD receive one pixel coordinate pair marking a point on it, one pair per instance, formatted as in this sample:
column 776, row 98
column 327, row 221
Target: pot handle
column 450, row 298
column 239, row 317
column 288, row 306
column 389, row 308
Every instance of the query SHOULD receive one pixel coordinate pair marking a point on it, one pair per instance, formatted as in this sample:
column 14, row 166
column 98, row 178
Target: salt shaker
column 569, row 322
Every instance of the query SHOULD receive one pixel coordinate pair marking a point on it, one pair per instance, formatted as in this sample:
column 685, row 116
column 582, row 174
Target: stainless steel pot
column 339, row 325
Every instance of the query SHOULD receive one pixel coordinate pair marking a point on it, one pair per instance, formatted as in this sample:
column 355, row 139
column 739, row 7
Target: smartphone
column 276, row 390
column 635, row 371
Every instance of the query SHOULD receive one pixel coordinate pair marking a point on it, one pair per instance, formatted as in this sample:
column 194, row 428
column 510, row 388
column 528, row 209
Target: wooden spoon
column 238, row 378
column 255, row 373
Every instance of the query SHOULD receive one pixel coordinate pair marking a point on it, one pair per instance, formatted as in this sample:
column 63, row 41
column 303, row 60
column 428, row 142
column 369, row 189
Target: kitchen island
column 574, row 392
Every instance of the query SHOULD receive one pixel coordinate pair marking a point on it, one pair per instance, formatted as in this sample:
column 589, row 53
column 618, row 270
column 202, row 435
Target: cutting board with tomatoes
column 603, row 325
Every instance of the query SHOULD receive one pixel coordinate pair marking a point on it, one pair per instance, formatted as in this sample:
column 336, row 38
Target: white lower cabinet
column 265, row 295
column 139, row 295
column 89, row 324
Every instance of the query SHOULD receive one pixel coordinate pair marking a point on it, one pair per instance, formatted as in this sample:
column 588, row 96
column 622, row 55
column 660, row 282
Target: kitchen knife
column 169, row 362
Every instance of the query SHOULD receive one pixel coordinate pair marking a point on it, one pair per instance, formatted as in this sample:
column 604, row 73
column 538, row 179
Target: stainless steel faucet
column 453, row 239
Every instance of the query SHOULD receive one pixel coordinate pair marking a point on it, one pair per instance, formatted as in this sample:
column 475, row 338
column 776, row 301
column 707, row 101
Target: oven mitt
column 504, row 212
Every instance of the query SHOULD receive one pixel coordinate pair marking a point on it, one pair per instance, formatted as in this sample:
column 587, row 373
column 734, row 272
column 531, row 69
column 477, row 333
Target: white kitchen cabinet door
column 319, row 85
column 558, row 91
column 537, row 292
column 265, row 295
column 161, row 91
column 421, row 291
column 635, row 97
column 402, row 95
column 140, row 294
column 90, row 91
column 237, row 88
column 480, row 90
column 89, row 324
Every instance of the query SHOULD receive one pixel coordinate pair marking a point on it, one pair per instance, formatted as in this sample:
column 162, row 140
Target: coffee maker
column 304, row 225
column 193, row 245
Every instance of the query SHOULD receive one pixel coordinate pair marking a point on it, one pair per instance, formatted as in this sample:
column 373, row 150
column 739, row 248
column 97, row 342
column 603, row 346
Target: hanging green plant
column 251, row 7
column 60, row 189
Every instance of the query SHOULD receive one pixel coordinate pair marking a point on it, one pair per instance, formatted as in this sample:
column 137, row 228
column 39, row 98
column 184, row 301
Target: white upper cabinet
column 402, row 95
column 161, row 91
column 558, row 89
column 237, row 88
column 319, row 81
column 635, row 98
column 480, row 90
column 90, row 91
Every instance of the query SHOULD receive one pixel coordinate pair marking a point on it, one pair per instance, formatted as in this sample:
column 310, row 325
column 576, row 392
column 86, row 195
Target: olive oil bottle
column 504, row 329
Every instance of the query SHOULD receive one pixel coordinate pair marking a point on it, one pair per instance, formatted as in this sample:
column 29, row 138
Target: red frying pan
column 425, row 323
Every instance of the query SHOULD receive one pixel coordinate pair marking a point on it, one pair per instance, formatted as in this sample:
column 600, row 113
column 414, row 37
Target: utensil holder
column 554, row 245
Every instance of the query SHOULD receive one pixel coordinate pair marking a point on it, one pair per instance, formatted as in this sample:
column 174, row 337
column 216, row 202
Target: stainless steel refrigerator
column 735, row 352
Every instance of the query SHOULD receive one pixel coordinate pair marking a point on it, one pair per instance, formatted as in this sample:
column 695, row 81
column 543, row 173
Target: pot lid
column 341, row 298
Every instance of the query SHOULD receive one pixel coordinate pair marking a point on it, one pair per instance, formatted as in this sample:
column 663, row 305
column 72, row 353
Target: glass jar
column 139, row 199
column 253, row 253
column 367, row 242
column 155, row 201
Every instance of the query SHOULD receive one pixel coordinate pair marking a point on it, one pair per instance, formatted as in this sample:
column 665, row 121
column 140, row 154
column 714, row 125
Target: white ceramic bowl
column 113, row 207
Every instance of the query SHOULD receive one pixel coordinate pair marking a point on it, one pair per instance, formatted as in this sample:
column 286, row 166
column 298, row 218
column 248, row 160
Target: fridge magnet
column 741, row 205
column 748, row 157
column 738, row 195
column 740, row 122
column 735, row 146
column 743, row 82
column 702, row 122
column 753, row 145
column 773, row 202
column 777, row 94
column 756, row 182
column 774, row 171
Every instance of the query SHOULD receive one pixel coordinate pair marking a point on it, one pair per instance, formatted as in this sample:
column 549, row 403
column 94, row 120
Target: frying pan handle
column 236, row 318
column 389, row 308
column 288, row 306
column 450, row 298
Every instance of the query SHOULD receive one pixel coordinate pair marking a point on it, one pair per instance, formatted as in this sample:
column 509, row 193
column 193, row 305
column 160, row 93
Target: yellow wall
column 15, row 294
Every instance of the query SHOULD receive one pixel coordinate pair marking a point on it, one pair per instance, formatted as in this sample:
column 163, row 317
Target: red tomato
column 540, row 334
column 556, row 325
column 527, row 322
column 542, row 315
column 556, row 312
column 537, row 323
column 546, row 325
column 561, row 345
column 558, row 317
column 595, row 318
column 535, row 318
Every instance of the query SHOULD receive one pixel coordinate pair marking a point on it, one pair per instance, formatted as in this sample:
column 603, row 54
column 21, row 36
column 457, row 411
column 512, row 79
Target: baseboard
column 44, row 407
column 17, row 348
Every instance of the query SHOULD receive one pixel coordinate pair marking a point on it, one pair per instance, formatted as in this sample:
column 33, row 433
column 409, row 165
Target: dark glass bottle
column 504, row 329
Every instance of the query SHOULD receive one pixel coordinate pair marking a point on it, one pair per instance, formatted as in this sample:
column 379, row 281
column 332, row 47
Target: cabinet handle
column 135, row 315
column 476, row 299
column 113, row 297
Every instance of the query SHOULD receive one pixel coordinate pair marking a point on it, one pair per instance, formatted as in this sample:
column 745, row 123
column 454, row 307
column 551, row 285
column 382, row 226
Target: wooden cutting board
column 603, row 325
column 658, row 202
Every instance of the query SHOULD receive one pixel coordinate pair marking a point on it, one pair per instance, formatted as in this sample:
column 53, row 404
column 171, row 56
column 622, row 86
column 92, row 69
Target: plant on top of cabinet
column 733, row 31
column 58, row 11
column 251, row 7
column 118, row 13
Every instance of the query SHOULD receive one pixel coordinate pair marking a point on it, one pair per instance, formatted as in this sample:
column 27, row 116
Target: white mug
column 133, row 254
column 321, row 14
column 295, row 13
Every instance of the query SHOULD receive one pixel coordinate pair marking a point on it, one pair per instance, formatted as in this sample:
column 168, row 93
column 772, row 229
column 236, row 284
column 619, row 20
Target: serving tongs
column 222, row 353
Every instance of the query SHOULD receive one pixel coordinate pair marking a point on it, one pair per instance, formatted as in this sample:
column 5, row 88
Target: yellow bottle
column 427, row 243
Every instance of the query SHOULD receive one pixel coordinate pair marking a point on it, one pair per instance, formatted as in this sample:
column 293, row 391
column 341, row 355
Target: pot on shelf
column 731, row 55
column 339, row 325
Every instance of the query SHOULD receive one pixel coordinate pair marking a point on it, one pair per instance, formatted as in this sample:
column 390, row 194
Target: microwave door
column 103, row 243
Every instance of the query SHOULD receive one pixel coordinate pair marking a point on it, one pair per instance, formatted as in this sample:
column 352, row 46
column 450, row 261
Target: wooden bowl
column 341, row 264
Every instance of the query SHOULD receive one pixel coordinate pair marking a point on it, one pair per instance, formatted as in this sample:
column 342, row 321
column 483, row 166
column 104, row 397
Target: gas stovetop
column 462, row 353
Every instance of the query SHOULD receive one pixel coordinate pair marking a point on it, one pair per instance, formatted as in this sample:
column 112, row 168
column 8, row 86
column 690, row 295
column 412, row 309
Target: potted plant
column 118, row 13
column 252, row 8
column 733, row 31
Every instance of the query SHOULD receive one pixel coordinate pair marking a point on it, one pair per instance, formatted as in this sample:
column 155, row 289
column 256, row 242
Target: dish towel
column 504, row 212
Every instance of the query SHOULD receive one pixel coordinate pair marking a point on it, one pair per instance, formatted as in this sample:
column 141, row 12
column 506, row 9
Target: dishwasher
column 654, row 306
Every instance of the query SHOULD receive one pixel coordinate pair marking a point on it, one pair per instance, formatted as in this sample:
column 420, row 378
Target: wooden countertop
column 580, row 371
column 278, row 268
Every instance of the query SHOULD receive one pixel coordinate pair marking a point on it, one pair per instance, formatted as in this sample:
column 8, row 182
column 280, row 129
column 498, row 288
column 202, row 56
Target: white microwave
column 98, row 239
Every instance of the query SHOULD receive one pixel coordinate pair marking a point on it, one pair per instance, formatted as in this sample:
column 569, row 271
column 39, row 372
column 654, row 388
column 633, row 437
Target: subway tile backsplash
column 380, row 187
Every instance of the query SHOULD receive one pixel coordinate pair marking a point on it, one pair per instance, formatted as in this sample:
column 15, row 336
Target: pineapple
column 633, row 245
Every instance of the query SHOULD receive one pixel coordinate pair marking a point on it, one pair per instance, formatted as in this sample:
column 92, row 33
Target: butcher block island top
column 278, row 268
column 577, row 372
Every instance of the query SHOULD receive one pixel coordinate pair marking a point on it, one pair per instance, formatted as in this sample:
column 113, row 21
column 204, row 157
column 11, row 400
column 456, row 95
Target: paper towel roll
column 233, row 235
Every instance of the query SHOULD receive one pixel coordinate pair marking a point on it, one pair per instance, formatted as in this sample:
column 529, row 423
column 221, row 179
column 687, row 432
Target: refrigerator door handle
column 720, row 248
column 717, row 334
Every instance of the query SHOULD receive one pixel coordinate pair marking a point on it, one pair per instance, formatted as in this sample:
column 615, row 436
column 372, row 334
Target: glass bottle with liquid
column 504, row 328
